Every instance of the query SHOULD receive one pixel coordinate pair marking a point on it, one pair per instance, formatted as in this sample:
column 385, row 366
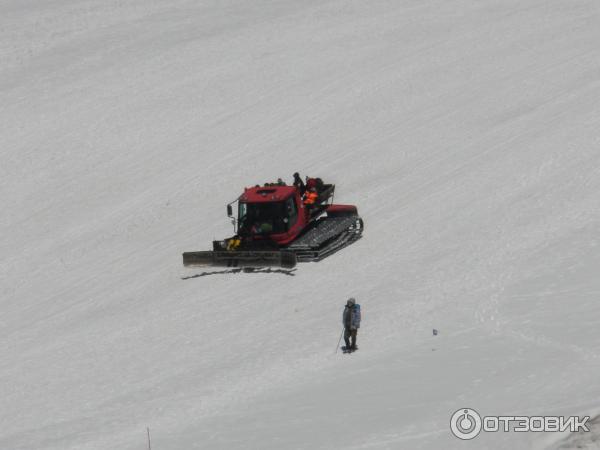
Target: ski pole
column 340, row 340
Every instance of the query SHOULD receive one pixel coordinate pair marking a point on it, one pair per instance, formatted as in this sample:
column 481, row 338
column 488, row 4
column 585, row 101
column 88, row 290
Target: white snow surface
column 467, row 133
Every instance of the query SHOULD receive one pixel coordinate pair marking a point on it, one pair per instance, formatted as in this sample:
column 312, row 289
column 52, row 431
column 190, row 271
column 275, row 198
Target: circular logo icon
column 465, row 423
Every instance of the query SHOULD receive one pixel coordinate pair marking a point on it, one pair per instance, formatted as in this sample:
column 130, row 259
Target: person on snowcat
column 299, row 184
column 311, row 196
column 312, row 190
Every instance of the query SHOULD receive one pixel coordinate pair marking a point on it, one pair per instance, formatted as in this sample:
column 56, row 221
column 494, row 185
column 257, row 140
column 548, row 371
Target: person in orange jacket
column 311, row 197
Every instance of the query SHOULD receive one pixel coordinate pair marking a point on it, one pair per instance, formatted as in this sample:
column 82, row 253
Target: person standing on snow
column 351, row 321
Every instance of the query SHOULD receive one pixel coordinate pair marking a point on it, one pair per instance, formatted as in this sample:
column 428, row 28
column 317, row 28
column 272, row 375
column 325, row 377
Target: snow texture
column 466, row 132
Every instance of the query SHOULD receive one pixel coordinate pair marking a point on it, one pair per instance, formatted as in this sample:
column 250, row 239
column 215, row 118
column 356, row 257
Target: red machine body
column 275, row 226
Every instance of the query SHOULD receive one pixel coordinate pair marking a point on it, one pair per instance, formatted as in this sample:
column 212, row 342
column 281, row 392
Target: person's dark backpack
column 356, row 316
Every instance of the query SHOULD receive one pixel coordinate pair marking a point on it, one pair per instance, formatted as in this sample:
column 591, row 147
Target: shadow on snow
column 224, row 272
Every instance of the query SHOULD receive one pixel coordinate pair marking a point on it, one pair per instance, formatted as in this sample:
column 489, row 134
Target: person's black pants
column 348, row 333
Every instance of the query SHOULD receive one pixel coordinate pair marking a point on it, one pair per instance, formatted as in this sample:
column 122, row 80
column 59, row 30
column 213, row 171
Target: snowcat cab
column 268, row 212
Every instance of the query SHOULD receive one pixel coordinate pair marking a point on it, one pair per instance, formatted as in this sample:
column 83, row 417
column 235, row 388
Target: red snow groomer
column 279, row 225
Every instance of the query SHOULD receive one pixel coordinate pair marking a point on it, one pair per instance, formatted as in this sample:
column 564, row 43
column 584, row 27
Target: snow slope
column 466, row 132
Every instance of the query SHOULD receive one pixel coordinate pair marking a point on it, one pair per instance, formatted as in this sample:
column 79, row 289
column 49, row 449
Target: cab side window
column 292, row 212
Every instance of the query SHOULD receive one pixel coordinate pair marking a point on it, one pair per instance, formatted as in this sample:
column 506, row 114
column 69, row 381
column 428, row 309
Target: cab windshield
column 267, row 218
